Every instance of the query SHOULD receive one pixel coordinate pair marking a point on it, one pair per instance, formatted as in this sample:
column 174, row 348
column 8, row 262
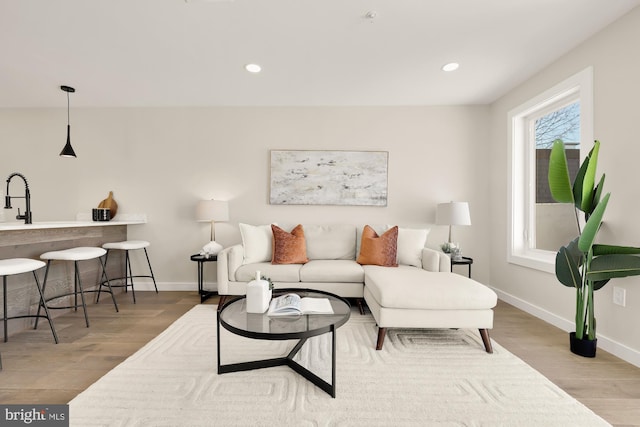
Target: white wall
column 614, row 56
column 161, row 161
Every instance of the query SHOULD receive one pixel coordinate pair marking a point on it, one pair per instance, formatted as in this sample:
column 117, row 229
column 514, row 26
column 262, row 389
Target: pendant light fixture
column 67, row 151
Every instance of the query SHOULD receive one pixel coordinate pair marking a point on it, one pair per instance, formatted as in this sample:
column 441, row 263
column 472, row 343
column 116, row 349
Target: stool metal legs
column 41, row 300
column 103, row 262
column 151, row 270
column 78, row 283
column 128, row 274
column 77, row 288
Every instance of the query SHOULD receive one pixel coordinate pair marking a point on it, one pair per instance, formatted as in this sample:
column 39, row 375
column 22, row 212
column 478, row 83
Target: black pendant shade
column 67, row 151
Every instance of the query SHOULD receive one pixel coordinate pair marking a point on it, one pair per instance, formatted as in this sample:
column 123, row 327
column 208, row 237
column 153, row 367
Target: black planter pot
column 584, row 348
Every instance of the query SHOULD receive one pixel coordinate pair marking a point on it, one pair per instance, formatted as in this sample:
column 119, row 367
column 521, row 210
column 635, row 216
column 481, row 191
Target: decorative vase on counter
column 109, row 203
column 258, row 295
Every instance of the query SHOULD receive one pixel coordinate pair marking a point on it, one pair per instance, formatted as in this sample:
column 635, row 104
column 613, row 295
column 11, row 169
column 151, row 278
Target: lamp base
column 211, row 248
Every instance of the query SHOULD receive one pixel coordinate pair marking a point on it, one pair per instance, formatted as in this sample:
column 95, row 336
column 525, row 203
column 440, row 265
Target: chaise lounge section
column 408, row 297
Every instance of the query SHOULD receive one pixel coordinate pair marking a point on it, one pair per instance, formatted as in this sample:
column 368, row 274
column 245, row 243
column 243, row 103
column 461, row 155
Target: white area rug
column 421, row 377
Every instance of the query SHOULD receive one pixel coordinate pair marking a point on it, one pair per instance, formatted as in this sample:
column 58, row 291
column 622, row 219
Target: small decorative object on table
column 453, row 249
column 445, row 248
column 211, row 249
column 456, row 253
column 258, row 294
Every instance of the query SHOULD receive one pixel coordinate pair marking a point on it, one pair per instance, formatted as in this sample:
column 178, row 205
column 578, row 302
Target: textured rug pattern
column 421, row 377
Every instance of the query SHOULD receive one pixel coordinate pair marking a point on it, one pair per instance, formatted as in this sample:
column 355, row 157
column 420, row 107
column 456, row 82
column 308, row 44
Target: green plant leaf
column 568, row 267
column 613, row 250
column 599, row 284
column 578, row 182
column 598, row 192
column 611, row 266
column 559, row 182
column 590, row 231
column 590, row 179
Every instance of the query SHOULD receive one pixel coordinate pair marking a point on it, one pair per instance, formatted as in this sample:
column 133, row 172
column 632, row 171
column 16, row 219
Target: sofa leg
column 360, row 305
column 221, row 302
column 381, row 334
column 484, row 333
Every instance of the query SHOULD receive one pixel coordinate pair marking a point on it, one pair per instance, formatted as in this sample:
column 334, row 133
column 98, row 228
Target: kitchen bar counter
column 19, row 240
column 9, row 226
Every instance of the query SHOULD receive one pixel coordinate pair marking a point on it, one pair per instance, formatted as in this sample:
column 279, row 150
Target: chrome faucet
column 27, row 197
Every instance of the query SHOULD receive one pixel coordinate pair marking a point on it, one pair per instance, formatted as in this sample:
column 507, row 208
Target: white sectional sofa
column 421, row 292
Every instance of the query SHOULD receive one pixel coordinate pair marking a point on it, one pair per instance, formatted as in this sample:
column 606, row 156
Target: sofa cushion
column 277, row 273
column 413, row 288
column 257, row 243
column 379, row 250
column 411, row 241
column 378, row 228
column 288, row 248
column 330, row 241
column 338, row 270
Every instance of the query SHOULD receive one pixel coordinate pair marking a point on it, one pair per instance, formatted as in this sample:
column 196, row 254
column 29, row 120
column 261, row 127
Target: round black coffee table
column 233, row 317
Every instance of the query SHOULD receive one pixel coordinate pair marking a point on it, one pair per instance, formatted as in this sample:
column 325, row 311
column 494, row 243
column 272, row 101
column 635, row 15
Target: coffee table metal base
column 329, row 388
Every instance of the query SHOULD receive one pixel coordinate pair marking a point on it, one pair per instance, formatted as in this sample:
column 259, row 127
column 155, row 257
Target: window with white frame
column 537, row 225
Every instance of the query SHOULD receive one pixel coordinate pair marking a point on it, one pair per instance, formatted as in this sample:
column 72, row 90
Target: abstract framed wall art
column 308, row 177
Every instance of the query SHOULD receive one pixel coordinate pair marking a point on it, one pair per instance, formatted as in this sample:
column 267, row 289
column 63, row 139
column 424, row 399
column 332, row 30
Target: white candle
column 258, row 275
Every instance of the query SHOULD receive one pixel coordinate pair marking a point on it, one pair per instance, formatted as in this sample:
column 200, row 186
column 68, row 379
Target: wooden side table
column 464, row 261
column 201, row 259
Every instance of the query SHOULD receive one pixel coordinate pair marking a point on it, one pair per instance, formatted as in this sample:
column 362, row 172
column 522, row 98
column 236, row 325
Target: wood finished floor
column 38, row 371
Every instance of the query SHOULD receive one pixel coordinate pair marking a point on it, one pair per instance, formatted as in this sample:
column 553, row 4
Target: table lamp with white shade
column 212, row 211
column 452, row 213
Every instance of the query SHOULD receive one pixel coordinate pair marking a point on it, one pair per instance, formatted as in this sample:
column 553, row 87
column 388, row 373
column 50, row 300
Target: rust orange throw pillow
column 289, row 248
column 379, row 250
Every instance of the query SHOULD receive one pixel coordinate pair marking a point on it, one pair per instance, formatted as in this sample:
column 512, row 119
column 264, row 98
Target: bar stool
column 126, row 246
column 9, row 267
column 75, row 255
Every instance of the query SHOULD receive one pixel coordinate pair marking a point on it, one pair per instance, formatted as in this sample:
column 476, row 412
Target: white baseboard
column 147, row 285
column 617, row 349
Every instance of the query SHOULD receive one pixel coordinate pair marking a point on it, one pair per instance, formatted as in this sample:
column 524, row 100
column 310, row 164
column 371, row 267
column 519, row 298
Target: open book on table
column 293, row 304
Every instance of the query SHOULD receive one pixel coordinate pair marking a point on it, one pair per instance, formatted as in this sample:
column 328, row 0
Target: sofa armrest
column 436, row 261
column 229, row 260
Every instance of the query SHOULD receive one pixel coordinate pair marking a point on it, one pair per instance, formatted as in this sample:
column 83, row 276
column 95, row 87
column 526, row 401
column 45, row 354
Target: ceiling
column 121, row 53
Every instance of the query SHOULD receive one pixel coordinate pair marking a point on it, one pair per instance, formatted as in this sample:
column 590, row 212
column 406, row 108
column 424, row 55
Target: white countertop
column 80, row 222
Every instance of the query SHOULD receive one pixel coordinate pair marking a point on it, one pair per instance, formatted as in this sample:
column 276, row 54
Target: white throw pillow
column 411, row 241
column 257, row 241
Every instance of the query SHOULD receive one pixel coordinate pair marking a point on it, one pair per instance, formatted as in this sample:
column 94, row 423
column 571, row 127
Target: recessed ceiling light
column 451, row 66
column 371, row 14
column 253, row 68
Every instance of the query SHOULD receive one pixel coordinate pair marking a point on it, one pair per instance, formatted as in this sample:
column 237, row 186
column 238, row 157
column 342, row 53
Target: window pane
column 555, row 223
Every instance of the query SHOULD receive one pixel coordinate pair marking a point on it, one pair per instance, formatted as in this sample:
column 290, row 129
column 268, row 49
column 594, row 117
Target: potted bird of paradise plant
column 583, row 264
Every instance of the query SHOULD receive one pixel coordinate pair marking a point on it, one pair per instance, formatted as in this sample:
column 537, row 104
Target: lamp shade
column 453, row 213
column 212, row 210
